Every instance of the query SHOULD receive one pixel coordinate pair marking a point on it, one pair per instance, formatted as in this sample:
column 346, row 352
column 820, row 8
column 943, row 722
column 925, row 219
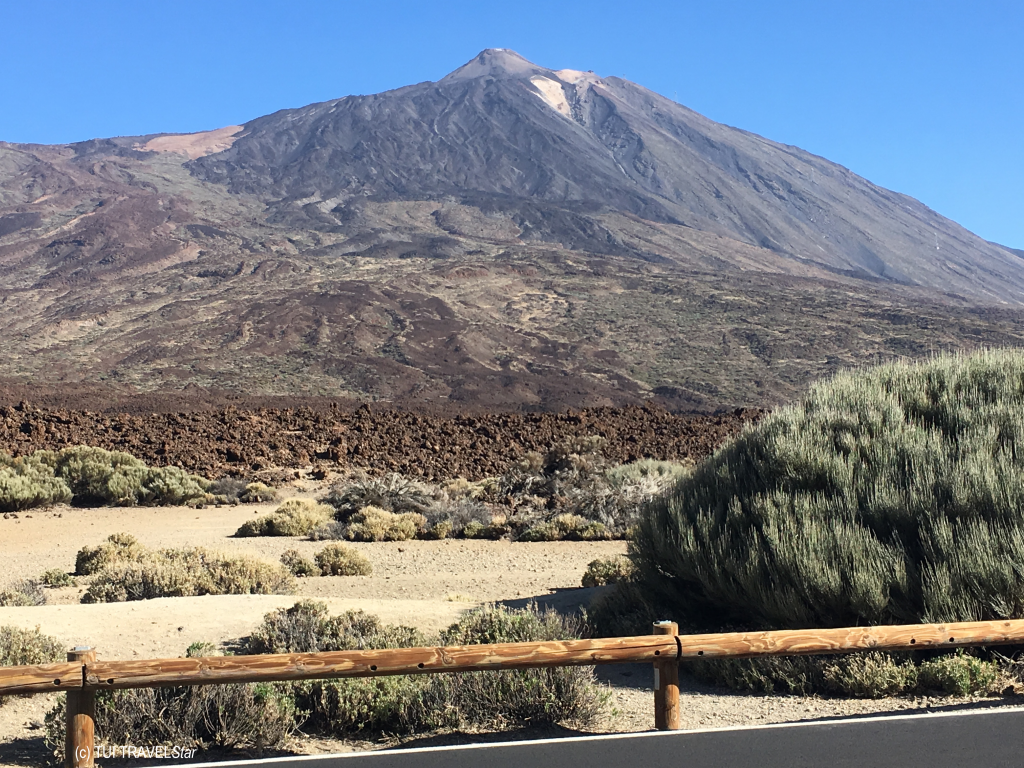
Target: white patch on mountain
column 552, row 93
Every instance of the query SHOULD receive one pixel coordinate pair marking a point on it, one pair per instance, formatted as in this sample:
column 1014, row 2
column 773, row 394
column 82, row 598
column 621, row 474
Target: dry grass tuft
column 375, row 524
column 22, row 594
column 607, row 570
column 295, row 517
column 339, row 560
column 144, row 574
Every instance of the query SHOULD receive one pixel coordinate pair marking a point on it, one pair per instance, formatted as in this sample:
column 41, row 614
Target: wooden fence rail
column 83, row 675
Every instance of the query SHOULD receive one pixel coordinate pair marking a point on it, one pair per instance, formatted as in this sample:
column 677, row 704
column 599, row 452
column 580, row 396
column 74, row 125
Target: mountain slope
column 508, row 237
column 501, row 127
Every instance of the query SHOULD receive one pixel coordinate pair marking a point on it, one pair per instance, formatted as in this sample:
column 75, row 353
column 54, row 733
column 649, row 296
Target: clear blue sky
column 925, row 98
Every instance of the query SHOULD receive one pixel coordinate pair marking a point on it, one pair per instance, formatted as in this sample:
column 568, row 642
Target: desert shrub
column 228, row 489
column 200, row 649
column 118, row 548
column 27, row 646
column 298, row 565
column 862, row 675
column 498, row 624
column 404, row 704
column 260, row 526
column 553, row 480
column 56, row 578
column 27, row 482
column 22, row 594
column 339, row 560
column 442, row 529
column 658, row 475
column 891, row 495
column 607, row 570
column 185, row 573
column 308, row 627
column 574, row 478
column 253, row 716
column 477, row 530
column 868, row 675
column 341, row 706
column 623, row 611
column 166, row 486
column 958, row 674
column 391, row 493
column 89, row 476
column 566, row 527
column 332, row 531
column 511, row 698
column 375, row 524
column 615, row 499
column 477, row 490
column 295, row 517
column 257, row 493
column 449, row 517
column 97, row 476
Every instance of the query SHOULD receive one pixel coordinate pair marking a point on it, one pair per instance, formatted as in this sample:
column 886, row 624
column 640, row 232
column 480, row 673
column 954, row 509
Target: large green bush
column 28, row 482
column 98, row 476
column 885, row 496
column 92, row 476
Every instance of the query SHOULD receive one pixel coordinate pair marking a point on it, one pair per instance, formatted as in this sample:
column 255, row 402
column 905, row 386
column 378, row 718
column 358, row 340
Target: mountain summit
column 494, row 62
column 500, row 127
column 509, row 235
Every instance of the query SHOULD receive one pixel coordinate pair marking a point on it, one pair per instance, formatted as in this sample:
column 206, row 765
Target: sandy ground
column 426, row 584
column 194, row 145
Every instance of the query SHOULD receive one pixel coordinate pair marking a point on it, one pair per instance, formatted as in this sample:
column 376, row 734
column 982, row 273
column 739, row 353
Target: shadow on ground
column 31, row 752
column 565, row 600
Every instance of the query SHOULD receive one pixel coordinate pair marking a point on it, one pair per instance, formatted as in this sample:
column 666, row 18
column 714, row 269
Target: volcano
column 508, row 236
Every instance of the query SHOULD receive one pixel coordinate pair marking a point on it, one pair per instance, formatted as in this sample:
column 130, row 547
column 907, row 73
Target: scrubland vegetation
column 890, row 495
column 296, row 517
column 27, row 646
column 264, row 715
column 569, row 493
column 21, row 594
column 90, row 477
column 122, row 569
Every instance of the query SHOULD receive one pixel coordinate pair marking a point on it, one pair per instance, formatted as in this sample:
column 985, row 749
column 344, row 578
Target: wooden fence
column 83, row 675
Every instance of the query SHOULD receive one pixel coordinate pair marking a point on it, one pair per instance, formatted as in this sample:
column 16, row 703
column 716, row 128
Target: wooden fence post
column 79, row 739
column 666, row 684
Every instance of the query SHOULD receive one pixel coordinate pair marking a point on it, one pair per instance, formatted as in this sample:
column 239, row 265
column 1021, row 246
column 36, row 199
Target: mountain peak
column 494, row 61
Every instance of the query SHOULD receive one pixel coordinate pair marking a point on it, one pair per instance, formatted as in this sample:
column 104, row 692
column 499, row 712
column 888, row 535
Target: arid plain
column 424, row 584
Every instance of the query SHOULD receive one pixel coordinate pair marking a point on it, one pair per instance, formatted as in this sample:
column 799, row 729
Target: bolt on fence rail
column 83, row 674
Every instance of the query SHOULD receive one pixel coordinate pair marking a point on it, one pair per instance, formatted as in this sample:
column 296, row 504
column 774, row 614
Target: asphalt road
column 992, row 739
